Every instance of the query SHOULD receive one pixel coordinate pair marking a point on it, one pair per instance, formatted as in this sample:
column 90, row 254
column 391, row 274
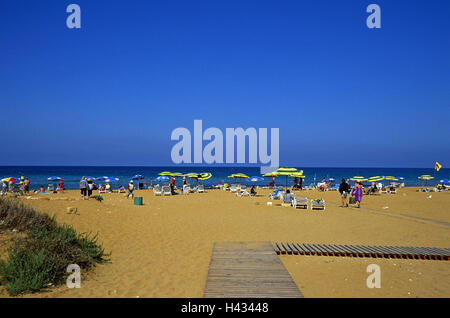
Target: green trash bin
column 138, row 201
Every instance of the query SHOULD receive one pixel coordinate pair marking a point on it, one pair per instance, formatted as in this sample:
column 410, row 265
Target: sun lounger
column 300, row 203
column 186, row 189
column 317, row 204
column 121, row 190
column 200, row 189
column 157, row 190
column 51, row 187
column 233, row 188
column 101, row 191
column 242, row 193
column 166, row 190
column 276, row 195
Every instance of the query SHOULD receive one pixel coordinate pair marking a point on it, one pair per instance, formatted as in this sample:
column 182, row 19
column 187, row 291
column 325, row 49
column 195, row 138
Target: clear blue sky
column 111, row 93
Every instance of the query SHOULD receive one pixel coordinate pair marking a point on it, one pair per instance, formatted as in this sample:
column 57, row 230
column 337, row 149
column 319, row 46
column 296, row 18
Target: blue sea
column 71, row 175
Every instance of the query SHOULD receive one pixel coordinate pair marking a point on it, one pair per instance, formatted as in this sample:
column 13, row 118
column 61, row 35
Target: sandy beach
column 163, row 248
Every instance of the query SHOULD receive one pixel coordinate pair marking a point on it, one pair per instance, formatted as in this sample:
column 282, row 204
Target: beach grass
column 39, row 259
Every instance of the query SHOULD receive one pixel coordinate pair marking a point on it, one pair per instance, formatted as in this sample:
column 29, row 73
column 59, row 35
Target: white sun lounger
column 300, row 203
column 157, row 190
column 166, row 190
column 233, row 188
column 200, row 189
column 317, row 205
column 243, row 193
column 186, row 189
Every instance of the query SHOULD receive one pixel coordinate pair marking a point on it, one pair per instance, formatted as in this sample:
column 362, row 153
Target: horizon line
column 212, row 166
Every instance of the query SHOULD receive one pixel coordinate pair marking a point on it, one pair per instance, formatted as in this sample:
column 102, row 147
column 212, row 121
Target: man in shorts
column 344, row 190
column 83, row 187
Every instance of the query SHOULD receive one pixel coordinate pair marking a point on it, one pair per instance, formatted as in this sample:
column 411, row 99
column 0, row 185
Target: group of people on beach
column 87, row 186
column 10, row 186
column 345, row 190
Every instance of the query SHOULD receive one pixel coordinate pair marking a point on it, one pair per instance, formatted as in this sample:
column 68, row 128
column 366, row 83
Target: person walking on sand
column 172, row 185
column 344, row 190
column 130, row 189
column 90, row 185
column 357, row 193
column 61, row 185
column 83, row 187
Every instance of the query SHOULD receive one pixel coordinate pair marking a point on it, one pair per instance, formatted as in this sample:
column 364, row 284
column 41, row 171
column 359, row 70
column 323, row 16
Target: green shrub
column 41, row 258
column 97, row 197
column 27, row 270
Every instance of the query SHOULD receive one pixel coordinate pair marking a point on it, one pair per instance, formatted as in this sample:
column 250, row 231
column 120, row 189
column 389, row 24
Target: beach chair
column 51, row 187
column 157, row 190
column 320, row 205
column 166, row 190
column 233, row 188
column 242, row 193
column 275, row 196
column 121, row 190
column 101, row 191
column 200, row 189
column 300, row 203
column 186, row 189
column 383, row 190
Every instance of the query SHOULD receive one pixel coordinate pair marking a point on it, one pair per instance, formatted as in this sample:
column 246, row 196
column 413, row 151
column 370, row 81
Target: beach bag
column 352, row 200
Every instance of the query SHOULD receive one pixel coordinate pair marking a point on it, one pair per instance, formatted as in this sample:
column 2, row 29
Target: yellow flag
column 437, row 166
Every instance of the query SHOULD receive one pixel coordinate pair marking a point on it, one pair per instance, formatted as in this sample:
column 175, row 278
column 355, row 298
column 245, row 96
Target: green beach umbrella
column 198, row 176
column 165, row 173
column 270, row 175
column 288, row 173
column 425, row 177
column 239, row 176
column 358, row 179
column 375, row 179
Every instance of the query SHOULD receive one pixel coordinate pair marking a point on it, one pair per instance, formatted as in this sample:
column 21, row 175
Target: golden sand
column 163, row 248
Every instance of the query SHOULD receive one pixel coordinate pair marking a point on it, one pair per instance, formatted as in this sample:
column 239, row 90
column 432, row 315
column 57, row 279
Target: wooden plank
column 281, row 248
column 306, row 249
column 287, row 248
column 300, row 249
column 327, row 249
column 275, row 247
column 248, row 270
column 340, row 250
column 293, row 248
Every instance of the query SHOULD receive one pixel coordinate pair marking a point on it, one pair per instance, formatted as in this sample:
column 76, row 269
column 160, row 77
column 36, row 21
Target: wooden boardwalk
column 407, row 252
column 248, row 270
